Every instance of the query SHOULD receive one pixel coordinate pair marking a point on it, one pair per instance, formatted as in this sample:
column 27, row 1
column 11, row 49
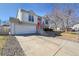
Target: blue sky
column 9, row 10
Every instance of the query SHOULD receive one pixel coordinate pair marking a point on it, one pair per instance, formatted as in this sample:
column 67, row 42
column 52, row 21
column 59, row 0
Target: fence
column 4, row 30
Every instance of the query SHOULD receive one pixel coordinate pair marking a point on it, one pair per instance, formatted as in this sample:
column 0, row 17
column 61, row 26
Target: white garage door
column 25, row 29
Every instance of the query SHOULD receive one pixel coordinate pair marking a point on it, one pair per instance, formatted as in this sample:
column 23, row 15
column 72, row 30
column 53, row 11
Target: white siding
column 25, row 29
column 25, row 17
column 19, row 15
column 76, row 27
column 43, row 20
column 12, row 28
column 35, row 19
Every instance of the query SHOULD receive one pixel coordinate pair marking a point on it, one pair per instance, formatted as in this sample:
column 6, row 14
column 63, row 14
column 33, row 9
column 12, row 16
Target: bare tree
column 61, row 19
column 68, row 14
column 52, row 24
column 57, row 17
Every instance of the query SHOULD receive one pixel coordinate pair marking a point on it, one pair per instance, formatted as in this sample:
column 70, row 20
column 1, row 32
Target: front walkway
column 47, row 46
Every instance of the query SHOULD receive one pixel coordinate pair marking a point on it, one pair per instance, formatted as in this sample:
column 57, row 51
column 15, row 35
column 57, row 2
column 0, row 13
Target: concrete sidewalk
column 47, row 46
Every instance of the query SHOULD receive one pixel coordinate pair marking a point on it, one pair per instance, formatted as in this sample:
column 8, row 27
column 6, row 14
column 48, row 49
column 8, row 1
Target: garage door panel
column 25, row 29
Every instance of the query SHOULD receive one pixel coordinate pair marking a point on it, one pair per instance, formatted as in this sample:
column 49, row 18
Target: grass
column 70, row 36
column 3, row 40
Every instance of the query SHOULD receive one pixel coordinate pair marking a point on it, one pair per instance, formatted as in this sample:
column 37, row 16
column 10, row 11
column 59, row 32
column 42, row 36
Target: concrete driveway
column 47, row 46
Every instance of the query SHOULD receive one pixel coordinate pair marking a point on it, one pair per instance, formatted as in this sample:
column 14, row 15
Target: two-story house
column 24, row 23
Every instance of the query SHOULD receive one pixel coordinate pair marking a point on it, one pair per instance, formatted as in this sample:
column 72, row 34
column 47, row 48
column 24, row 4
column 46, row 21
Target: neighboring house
column 76, row 27
column 26, row 22
column 4, row 29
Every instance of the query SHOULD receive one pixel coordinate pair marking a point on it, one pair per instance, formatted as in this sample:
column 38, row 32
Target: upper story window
column 46, row 21
column 31, row 18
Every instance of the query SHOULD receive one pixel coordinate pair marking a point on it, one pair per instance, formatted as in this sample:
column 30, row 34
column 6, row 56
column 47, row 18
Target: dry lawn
column 3, row 40
column 70, row 36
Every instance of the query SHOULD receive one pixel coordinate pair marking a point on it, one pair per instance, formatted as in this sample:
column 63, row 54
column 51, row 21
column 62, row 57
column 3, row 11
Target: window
column 31, row 18
column 46, row 22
